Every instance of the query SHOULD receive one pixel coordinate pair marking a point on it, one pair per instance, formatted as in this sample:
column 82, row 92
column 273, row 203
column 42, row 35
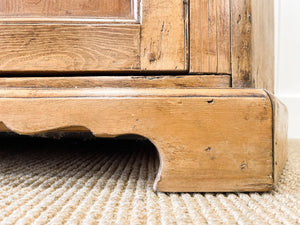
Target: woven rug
column 73, row 181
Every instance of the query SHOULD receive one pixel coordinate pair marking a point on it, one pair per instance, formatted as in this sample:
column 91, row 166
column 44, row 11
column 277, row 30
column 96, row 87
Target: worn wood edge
column 280, row 136
column 161, row 81
column 256, row 187
column 70, row 129
column 128, row 93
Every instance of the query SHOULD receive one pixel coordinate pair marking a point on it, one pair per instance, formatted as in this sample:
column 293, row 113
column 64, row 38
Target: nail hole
column 208, row 149
column 210, row 101
column 244, row 165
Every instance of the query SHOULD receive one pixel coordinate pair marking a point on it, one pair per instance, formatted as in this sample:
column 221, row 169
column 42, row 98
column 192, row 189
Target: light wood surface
column 208, row 139
column 241, row 31
column 69, row 8
column 154, row 39
column 280, row 127
column 263, row 44
column 125, row 92
column 210, row 36
column 51, row 47
column 252, row 43
column 183, row 81
column 222, row 37
column 164, row 35
column 234, row 37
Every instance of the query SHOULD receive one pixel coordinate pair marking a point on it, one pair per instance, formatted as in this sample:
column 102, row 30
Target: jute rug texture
column 70, row 181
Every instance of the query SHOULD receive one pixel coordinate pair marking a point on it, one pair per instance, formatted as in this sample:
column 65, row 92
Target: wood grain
column 208, row 139
column 154, row 39
column 252, row 43
column 183, row 81
column 57, row 47
column 66, row 8
column 263, row 44
column 210, row 36
column 164, row 43
column 125, row 92
column 280, row 119
column 241, row 40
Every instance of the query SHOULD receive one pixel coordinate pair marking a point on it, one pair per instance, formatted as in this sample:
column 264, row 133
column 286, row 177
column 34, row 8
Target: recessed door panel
column 66, row 8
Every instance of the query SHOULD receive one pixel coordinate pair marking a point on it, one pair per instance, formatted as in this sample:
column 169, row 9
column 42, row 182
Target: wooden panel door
column 92, row 35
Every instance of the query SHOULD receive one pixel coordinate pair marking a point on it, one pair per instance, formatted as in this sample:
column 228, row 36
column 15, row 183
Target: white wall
column 287, row 60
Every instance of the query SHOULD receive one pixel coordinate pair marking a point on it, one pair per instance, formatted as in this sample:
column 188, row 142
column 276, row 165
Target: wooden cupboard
column 231, row 39
column 176, row 72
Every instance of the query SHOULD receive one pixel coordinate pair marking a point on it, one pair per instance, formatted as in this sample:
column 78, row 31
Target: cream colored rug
column 103, row 182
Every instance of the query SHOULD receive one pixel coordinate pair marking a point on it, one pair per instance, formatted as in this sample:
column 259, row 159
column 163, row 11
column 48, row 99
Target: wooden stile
column 210, row 36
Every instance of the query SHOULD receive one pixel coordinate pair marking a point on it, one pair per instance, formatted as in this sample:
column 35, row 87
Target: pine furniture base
column 208, row 140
